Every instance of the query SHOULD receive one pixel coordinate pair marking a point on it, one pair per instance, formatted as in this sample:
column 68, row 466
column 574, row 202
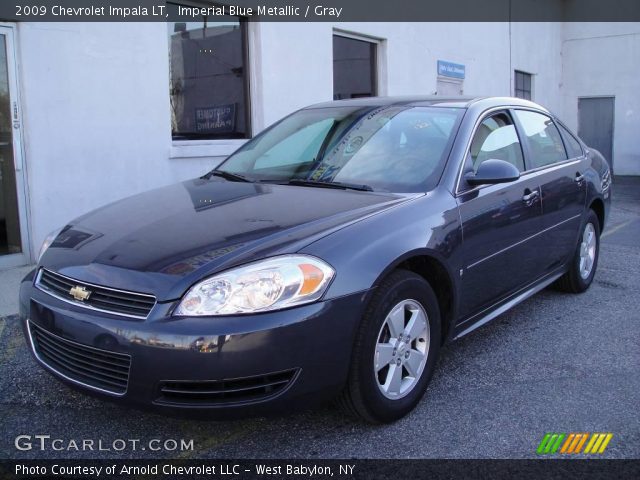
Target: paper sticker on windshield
column 317, row 173
column 353, row 145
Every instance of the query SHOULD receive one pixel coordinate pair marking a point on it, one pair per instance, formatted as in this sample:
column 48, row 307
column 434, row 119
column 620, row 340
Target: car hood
column 162, row 241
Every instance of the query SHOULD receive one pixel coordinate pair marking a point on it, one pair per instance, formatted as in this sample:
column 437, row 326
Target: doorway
column 595, row 124
column 14, row 244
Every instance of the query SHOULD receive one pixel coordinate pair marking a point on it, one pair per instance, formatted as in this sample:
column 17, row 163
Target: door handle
column 579, row 178
column 531, row 197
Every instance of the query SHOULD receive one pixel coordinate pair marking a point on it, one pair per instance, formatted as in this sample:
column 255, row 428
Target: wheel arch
column 433, row 268
column 597, row 205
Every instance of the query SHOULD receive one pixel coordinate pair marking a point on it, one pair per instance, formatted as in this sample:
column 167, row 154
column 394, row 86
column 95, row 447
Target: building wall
column 95, row 107
column 95, row 97
column 410, row 54
column 536, row 49
column 603, row 59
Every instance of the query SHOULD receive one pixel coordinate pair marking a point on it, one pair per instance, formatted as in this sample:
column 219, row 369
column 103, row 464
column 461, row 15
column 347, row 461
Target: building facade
column 94, row 112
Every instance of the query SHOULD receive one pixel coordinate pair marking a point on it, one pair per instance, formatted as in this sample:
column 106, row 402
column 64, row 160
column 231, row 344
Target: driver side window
column 496, row 138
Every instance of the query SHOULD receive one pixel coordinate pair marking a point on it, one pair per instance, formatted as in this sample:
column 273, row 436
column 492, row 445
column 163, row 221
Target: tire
column 576, row 280
column 411, row 298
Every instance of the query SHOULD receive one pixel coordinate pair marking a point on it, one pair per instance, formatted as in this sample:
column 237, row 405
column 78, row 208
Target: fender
column 393, row 237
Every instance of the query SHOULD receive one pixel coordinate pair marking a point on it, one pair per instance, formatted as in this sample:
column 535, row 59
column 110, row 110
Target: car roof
column 430, row 100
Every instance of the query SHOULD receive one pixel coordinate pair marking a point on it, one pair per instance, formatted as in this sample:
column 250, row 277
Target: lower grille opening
column 220, row 392
column 93, row 367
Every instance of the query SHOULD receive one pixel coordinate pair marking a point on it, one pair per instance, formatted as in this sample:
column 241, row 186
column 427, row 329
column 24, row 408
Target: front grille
column 93, row 367
column 105, row 299
column 220, row 392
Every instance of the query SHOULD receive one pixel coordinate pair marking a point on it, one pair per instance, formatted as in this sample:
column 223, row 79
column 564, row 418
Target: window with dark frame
column 208, row 78
column 574, row 149
column 543, row 139
column 523, row 84
column 496, row 138
column 354, row 68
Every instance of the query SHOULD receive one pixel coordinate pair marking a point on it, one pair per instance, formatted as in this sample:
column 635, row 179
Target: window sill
column 204, row 148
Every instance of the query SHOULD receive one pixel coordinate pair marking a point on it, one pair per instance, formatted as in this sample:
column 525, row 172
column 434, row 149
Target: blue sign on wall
column 450, row 69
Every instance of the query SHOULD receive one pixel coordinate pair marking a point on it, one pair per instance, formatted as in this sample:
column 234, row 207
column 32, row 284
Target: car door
column 500, row 223
column 557, row 161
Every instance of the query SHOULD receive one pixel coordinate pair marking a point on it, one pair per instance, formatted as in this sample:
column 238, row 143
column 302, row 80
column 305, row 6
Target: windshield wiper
column 318, row 183
column 234, row 177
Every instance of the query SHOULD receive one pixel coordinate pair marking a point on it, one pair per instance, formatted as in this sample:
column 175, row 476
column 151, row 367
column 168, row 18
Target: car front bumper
column 248, row 364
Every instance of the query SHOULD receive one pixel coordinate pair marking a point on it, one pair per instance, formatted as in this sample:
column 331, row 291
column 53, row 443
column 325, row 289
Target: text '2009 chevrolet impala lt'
column 330, row 256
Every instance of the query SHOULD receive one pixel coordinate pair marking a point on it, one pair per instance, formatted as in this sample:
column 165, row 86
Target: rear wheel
column 585, row 260
column 395, row 351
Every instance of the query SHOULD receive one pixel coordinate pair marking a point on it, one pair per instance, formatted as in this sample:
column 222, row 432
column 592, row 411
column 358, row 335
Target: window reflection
column 543, row 138
column 394, row 148
column 354, row 68
column 208, row 78
column 522, row 85
column 496, row 138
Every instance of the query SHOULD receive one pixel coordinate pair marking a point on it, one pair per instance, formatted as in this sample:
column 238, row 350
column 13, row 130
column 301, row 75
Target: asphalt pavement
column 555, row 363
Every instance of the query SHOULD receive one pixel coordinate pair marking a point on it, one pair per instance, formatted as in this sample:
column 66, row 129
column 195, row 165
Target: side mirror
column 493, row 171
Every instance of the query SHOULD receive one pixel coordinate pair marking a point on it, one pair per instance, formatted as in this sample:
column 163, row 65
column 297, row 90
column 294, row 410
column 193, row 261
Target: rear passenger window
column 543, row 138
column 496, row 138
column 574, row 149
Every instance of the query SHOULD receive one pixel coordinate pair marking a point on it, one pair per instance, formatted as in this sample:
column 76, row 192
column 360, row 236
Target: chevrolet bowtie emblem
column 80, row 293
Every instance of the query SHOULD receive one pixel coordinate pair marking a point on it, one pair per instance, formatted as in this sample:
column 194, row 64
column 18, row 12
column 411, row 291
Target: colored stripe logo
column 574, row 443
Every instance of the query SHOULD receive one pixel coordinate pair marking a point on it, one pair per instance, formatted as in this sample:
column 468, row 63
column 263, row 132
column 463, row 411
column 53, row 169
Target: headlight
column 47, row 242
column 262, row 286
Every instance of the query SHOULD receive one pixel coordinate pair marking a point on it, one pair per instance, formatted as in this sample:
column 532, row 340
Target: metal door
column 595, row 124
column 500, row 226
column 14, row 243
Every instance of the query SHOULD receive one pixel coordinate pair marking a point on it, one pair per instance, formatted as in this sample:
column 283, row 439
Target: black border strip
column 321, row 469
column 349, row 10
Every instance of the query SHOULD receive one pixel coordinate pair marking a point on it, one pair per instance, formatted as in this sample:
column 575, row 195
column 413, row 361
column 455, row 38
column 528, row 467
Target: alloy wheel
column 402, row 349
column 587, row 250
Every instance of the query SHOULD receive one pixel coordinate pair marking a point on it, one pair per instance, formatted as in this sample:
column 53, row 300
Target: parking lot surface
column 555, row 363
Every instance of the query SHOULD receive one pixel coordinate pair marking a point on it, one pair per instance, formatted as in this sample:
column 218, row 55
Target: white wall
column 95, row 96
column 412, row 52
column 536, row 49
column 297, row 59
column 603, row 59
column 95, row 102
column 95, row 116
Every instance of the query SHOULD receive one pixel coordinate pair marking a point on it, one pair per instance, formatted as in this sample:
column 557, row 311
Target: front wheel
column 395, row 351
column 585, row 259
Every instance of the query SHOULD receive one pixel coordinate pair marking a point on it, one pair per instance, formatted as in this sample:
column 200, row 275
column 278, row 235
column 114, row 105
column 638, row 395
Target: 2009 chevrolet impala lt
column 330, row 256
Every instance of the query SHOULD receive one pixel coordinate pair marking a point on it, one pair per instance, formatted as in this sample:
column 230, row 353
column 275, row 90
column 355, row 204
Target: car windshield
column 394, row 148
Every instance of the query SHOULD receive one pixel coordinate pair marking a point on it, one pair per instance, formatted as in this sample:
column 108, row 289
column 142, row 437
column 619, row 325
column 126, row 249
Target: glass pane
column 496, row 138
column 522, row 85
column 207, row 78
column 354, row 68
column 9, row 219
column 573, row 146
column 301, row 147
column 519, row 81
column 545, row 143
column 396, row 148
